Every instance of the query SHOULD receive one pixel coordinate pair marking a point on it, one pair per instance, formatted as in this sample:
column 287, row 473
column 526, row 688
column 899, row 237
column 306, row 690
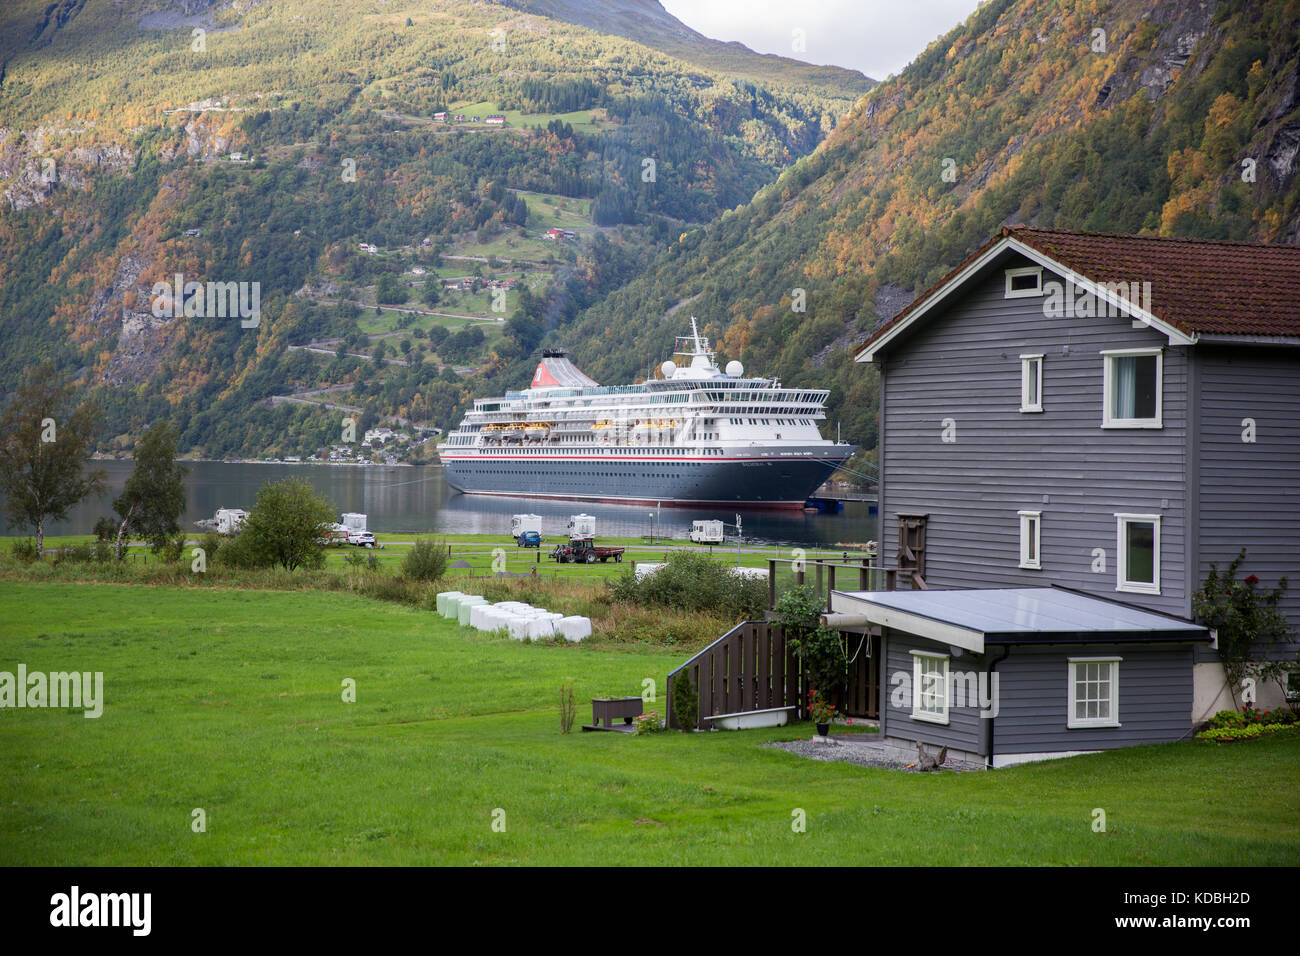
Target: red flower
column 1252, row 580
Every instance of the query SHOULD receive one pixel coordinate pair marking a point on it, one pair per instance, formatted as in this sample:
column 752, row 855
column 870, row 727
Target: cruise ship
column 694, row 434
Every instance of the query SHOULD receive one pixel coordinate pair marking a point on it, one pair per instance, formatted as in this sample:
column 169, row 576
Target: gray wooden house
column 1077, row 425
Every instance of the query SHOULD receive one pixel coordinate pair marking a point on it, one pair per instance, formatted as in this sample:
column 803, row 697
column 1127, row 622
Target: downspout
column 988, row 732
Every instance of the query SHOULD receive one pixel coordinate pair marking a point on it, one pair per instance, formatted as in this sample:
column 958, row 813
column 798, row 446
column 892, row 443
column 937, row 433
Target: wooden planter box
column 605, row 710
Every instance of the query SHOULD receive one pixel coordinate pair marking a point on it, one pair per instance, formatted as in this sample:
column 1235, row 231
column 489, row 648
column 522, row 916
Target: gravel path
column 866, row 754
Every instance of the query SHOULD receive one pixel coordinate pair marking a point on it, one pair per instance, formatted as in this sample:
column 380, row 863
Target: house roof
column 1199, row 287
column 974, row 619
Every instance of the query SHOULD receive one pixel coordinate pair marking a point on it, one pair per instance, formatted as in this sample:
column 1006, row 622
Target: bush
column 694, row 582
column 647, row 723
column 361, row 562
column 211, row 543
column 1250, row 732
column 25, row 550
column 1250, row 623
column 1250, row 717
column 236, row 552
column 820, row 649
column 686, row 701
column 426, row 561
column 75, row 553
column 172, row 549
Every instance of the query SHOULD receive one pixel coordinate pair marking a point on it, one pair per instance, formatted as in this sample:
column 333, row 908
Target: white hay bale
column 540, row 628
column 574, row 628
column 518, row 627
column 645, row 569
column 478, row 617
column 464, row 604
column 441, row 601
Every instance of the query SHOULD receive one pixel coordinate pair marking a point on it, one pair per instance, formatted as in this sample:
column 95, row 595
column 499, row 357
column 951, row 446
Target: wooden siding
column 1249, row 493
column 964, row 730
column 1155, row 699
column 964, row 364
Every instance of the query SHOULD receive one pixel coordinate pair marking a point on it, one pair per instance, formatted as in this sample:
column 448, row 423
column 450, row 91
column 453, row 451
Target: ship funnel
column 556, row 371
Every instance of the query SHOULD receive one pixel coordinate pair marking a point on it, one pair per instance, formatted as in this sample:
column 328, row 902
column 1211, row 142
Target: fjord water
column 418, row 499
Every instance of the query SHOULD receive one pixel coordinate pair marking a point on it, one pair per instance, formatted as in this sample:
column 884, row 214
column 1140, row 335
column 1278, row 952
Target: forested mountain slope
column 264, row 141
column 1178, row 119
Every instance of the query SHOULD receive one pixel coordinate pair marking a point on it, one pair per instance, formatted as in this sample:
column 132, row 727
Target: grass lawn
column 390, row 320
column 583, row 121
column 546, row 211
column 229, row 701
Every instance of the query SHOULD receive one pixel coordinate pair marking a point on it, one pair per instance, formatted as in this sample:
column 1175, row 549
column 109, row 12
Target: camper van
column 707, row 532
column 229, row 520
column 581, row 527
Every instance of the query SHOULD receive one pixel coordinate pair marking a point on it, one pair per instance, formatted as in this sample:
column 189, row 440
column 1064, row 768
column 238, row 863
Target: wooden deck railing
column 751, row 667
column 855, row 576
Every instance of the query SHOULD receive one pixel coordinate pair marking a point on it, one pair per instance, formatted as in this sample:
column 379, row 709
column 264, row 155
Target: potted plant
column 823, row 712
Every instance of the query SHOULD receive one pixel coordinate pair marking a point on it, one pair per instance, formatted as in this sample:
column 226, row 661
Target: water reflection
column 420, row 500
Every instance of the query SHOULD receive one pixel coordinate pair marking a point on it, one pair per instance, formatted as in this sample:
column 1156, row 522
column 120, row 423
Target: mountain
column 1132, row 116
column 647, row 22
column 338, row 155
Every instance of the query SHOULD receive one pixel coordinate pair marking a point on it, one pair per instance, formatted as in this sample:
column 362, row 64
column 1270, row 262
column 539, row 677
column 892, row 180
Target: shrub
column 172, row 548
column 1250, row 732
column 25, row 550
column 686, row 701
column 820, row 649
column 211, row 543
column 1250, row 623
column 648, row 723
column 426, row 561
column 694, row 582
column 74, row 553
column 356, row 559
column 236, row 552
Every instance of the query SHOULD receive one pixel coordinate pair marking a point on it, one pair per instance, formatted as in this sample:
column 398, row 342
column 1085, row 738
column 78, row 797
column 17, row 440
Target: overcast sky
column 878, row 37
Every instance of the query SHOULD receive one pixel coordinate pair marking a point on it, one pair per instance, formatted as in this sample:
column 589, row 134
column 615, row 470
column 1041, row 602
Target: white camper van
column 582, row 527
column 520, row 524
column 707, row 532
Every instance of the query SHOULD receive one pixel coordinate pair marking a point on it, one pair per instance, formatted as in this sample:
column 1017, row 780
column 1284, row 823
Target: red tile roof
column 1198, row 286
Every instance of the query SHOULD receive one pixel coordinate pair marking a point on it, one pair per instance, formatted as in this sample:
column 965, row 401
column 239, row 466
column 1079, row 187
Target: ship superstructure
column 697, row 435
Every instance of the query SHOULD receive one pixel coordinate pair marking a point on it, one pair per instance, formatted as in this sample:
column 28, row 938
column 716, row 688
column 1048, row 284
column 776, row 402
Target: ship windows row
column 770, row 421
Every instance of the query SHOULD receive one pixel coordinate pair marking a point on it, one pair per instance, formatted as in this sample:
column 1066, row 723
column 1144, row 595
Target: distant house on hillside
column 440, row 117
column 1073, row 427
column 554, row 234
column 496, row 119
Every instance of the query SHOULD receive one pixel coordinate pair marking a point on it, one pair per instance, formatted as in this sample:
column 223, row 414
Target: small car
column 364, row 539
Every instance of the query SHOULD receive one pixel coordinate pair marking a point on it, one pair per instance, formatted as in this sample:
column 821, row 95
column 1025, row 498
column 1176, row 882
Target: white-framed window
column 1024, row 282
column 930, row 687
column 1094, row 692
column 1031, row 383
column 1031, row 528
column 1132, row 386
column 1138, row 549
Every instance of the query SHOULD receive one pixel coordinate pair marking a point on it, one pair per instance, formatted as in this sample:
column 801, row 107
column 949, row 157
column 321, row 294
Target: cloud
column 878, row 37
